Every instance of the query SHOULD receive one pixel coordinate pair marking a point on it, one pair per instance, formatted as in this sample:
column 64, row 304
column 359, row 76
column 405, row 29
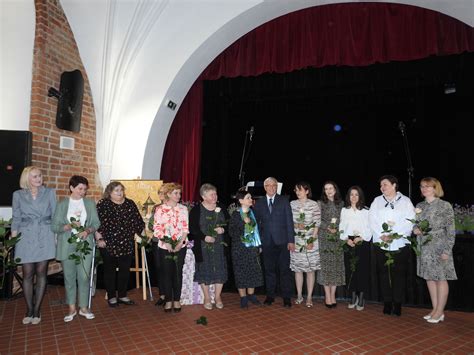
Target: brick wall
column 55, row 51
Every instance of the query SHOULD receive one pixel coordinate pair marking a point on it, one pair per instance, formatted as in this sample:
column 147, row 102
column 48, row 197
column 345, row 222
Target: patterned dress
column 213, row 268
column 118, row 225
column 440, row 215
column 306, row 260
column 246, row 260
column 332, row 258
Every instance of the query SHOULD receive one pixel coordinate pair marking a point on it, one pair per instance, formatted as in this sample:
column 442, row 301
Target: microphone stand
column 241, row 172
column 410, row 168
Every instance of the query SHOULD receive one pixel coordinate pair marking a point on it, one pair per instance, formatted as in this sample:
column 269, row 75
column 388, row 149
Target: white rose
column 217, row 210
column 391, row 223
column 333, row 220
column 138, row 239
column 355, row 232
column 418, row 210
column 301, row 210
column 78, row 240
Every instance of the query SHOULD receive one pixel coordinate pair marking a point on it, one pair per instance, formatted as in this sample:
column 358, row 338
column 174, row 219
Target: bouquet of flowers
column 390, row 236
column 212, row 229
column 424, row 226
column 173, row 240
column 301, row 233
column 249, row 228
column 82, row 246
column 143, row 241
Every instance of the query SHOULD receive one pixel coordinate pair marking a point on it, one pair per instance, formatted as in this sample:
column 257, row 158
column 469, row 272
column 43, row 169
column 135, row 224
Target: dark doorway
column 296, row 114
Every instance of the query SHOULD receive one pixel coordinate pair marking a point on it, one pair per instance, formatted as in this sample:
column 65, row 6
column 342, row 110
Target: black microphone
column 401, row 127
column 252, row 131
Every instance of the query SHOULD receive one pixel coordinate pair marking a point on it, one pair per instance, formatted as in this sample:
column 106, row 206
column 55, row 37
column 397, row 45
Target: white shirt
column 355, row 222
column 77, row 210
column 381, row 211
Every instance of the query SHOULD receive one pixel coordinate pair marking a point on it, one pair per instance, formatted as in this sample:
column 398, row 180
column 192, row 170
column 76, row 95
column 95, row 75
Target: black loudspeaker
column 15, row 155
column 71, row 90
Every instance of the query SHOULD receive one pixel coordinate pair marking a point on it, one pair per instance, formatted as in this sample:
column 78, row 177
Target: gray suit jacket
column 32, row 218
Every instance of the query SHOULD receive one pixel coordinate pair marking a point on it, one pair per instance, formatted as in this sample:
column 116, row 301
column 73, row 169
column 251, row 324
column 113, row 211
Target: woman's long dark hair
column 337, row 195
column 361, row 203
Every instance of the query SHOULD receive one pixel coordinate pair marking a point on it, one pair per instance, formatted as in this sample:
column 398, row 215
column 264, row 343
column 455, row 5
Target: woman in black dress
column 245, row 243
column 207, row 227
column 119, row 222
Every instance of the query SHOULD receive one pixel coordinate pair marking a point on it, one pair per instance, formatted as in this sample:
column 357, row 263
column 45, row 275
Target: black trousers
column 393, row 291
column 116, row 281
column 157, row 265
column 171, row 273
column 276, row 259
column 359, row 280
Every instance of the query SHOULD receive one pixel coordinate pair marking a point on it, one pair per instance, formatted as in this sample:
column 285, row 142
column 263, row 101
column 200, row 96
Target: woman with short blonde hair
column 33, row 206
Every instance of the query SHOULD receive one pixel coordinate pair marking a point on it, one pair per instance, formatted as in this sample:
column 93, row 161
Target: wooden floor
column 145, row 328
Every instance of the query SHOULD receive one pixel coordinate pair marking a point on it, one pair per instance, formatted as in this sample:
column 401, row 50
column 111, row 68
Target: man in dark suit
column 275, row 222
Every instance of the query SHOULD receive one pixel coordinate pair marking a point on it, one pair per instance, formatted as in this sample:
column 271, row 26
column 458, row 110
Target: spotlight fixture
column 449, row 88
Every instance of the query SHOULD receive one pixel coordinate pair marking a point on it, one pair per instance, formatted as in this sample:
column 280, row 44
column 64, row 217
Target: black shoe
column 252, row 298
column 113, row 305
column 168, row 310
column 244, row 302
column 287, row 302
column 387, row 308
column 160, row 302
column 176, row 309
column 328, row 305
column 397, row 309
column 268, row 301
column 334, row 305
column 126, row 301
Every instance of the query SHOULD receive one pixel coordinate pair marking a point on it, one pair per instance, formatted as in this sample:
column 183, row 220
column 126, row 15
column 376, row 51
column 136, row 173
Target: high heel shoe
column 244, row 302
column 436, row 321
column 168, row 307
column 428, row 316
column 328, row 305
column 299, row 300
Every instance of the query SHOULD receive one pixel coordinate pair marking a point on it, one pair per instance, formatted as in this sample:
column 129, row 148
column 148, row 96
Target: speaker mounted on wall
column 71, row 90
column 15, row 155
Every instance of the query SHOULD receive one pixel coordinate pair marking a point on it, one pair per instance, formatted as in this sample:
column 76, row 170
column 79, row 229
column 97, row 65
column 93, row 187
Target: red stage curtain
column 354, row 34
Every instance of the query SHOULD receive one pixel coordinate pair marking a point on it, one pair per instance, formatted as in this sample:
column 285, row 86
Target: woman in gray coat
column 33, row 207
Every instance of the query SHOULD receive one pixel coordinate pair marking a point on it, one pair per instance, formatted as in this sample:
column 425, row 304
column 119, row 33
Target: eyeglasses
column 425, row 186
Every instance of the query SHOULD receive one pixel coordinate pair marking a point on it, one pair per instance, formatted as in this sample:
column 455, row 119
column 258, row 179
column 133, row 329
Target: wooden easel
column 137, row 269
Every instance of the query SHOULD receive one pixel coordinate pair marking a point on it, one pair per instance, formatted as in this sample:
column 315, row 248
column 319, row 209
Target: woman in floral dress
column 171, row 228
column 435, row 263
column 332, row 272
column 306, row 258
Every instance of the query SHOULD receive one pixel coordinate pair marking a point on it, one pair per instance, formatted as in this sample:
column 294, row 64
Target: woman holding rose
column 206, row 223
column 393, row 209
column 171, row 228
column 306, row 258
column 243, row 230
column 76, row 216
column 435, row 262
column 332, row 257
column 355, row 231
column 120, row 221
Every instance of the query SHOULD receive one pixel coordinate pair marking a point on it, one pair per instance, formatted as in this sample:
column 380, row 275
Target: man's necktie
column 270, row 205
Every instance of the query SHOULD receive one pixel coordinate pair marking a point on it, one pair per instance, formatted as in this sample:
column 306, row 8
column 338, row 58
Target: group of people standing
column 50, row 230
column 301, row 237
